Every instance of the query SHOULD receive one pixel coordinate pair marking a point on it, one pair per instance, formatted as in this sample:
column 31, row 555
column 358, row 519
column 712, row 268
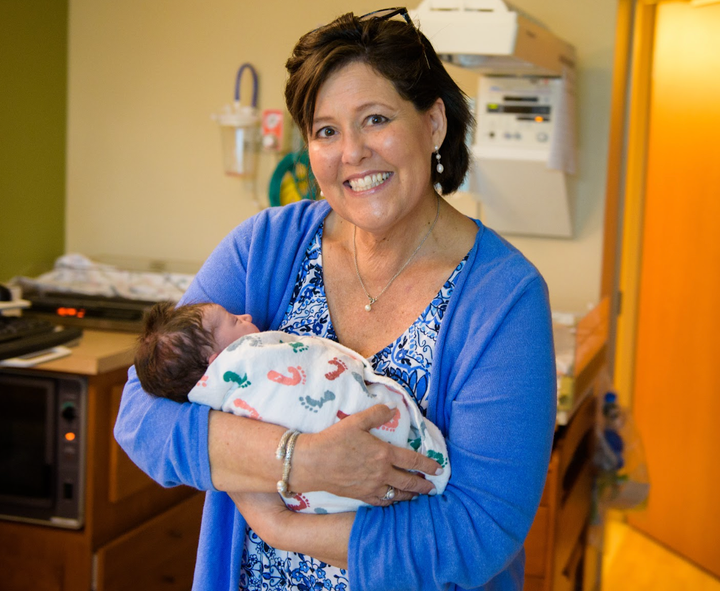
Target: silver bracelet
column 282, row 485
column 280, row 451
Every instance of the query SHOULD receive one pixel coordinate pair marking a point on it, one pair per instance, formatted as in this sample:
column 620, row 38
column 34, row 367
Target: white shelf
column 14, row 305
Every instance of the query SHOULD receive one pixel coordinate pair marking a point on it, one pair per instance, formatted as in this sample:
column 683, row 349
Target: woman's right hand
column 347, row 460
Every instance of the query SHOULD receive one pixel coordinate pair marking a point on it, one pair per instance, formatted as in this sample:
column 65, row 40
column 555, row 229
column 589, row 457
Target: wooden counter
column 97, row 352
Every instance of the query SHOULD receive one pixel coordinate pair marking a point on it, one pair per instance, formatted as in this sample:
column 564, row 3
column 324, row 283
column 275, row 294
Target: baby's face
column 225, row 327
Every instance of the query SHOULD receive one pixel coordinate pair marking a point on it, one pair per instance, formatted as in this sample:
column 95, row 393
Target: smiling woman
column 459, row 319
column 369, row 149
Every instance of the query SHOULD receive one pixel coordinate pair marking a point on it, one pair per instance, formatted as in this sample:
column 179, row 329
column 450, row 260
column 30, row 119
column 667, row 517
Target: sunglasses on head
column 388, row 13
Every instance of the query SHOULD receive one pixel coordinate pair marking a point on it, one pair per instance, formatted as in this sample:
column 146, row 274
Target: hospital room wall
column 144, row 174
column 33, row 79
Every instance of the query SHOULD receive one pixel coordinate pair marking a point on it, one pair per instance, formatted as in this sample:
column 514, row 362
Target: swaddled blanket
column 308, row 384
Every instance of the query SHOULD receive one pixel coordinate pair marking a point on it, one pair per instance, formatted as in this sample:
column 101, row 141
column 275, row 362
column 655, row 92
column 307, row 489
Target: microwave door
column 27, row 445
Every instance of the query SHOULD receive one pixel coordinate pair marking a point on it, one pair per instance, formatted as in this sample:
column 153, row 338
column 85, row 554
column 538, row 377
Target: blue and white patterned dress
column 407, row 361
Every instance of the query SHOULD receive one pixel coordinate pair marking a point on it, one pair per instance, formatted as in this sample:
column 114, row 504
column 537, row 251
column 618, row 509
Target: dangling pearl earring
column 439, row 167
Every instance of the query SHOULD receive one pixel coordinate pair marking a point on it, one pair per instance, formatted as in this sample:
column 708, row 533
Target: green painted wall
column 33, row 120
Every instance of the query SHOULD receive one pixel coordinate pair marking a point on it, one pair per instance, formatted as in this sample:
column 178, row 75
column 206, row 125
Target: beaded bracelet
column 282, row 485
column 280, row 451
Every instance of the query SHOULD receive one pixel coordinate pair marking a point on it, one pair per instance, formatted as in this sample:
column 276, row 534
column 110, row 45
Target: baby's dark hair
column 173, row 349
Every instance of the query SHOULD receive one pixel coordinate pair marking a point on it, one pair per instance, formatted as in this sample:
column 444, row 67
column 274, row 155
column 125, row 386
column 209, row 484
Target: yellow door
column 677, row 380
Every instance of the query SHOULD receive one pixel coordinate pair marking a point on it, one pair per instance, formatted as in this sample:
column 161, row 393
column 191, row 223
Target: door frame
column 625, row 192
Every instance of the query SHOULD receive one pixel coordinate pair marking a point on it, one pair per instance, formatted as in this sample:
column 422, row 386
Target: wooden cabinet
column 158, row 554
column 137, row 535
column 556, row 545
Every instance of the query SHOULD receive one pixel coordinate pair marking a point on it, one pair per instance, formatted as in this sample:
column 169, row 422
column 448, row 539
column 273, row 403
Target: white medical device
column 517, row 121
column 524, row 144
column 240, row 130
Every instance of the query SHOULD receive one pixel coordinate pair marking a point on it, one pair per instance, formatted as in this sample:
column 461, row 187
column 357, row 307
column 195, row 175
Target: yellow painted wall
column 33, row 84
column 144, row 165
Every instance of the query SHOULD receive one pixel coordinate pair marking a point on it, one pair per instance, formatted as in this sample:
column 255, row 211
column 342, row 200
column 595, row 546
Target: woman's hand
column 348, row 461
column 265, row 513
column 325, row 537
column 344, row 459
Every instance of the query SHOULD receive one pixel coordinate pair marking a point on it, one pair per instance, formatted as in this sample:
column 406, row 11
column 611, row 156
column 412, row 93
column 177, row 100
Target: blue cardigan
column 491, row 392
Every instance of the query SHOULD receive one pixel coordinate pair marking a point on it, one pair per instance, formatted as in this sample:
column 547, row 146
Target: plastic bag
column 622, row 479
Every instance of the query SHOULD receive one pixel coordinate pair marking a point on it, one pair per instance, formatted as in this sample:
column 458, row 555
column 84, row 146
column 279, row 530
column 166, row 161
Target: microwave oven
column 42, row 447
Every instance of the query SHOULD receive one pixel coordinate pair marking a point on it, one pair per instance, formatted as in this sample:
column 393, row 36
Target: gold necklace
column 371, row 299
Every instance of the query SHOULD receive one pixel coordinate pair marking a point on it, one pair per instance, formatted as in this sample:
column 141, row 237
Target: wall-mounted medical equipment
column 240, row 130
column 524, row 144
column 489, row 37
column 521, row 157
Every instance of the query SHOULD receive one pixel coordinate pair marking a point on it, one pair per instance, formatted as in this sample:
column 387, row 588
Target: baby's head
column 178, row 343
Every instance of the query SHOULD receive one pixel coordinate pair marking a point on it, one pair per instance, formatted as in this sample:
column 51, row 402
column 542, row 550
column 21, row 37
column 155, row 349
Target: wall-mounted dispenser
column 240, row 130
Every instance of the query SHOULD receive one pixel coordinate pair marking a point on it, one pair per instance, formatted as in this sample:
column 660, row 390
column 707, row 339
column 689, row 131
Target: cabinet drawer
column 536, row 544
column 534, row 584
column 572, row 523
column 548, row 498
column 581, row 424
column 160, row 554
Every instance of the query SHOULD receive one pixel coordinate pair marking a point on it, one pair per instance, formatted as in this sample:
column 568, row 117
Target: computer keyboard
column 20, row 335
column 18, row 327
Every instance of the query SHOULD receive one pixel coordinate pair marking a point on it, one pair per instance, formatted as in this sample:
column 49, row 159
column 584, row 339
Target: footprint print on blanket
column 340, row 369
column 250, row 412
column 393, row 423
column 302, row 502
column 296, row 347
column 241, row 381
column 297, row 376
column 251, row 340
column 361, row 382
column 313, row 404
column 414, row 438
column 438, row 457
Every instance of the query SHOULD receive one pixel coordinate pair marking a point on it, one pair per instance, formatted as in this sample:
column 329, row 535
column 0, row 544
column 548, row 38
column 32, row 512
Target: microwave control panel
column 70, row 448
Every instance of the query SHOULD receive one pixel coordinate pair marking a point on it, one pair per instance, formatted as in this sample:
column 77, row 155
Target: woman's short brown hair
column 398, row 52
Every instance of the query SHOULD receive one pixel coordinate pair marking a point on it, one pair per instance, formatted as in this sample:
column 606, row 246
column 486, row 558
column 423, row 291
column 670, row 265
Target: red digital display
column 72, row 312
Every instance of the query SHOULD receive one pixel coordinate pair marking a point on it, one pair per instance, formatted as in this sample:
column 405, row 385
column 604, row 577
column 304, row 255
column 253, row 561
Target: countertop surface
column 97, row 352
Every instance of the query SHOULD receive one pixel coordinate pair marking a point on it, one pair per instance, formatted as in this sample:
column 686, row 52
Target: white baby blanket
column 309, row 383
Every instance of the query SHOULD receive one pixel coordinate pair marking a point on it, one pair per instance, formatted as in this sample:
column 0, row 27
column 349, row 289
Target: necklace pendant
column 372, row 300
